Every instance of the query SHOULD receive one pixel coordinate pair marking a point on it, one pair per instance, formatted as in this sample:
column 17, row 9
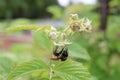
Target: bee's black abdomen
column 64, row 55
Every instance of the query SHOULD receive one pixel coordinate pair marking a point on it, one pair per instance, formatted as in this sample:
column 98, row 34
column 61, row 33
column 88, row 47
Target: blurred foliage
column 105, row 55
column 98, row 51
column 24, row 8
column 114, row 3
column 80, row 8
column 56, row 11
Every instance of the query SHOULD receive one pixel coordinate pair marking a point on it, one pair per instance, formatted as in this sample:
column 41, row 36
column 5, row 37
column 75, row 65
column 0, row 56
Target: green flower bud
column 74, row 17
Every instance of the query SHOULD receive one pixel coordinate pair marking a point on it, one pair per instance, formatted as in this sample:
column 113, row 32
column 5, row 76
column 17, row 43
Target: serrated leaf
column 41, row 40
column 71, row 70
column 67, row 70
column 77, row 51
column 5, row 66
column 27, row 67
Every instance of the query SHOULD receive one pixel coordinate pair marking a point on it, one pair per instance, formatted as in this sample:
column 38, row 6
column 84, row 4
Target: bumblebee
column 60, row 54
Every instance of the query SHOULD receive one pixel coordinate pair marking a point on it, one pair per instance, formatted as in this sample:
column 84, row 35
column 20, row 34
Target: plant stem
column 51, row 68
column 51, row 72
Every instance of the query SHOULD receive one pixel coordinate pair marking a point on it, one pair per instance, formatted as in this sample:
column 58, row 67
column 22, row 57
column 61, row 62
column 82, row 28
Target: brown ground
column 7, row 40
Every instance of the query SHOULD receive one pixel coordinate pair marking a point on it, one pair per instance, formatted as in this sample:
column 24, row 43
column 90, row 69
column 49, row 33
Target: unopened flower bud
column 53, row 29
column 52, row 35
column 74, row 16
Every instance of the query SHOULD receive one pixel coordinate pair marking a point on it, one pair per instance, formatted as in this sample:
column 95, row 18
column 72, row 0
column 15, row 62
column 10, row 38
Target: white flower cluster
column 79, row 25
column 75, row 25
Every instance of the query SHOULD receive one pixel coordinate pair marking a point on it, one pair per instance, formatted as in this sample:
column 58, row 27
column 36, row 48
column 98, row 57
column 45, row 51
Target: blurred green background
column 99, row 50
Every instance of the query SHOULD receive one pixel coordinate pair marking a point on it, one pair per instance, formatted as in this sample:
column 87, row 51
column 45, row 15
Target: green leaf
column 67, row 70
column 42, row 40
column 77, row 51
column 27, row 67
column 20, row 27
column 5, row 66
column 71, row 70
column 7, row 60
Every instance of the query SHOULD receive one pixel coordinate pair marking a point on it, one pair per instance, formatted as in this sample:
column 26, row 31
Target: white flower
column 86, row 22
column 87, row 25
